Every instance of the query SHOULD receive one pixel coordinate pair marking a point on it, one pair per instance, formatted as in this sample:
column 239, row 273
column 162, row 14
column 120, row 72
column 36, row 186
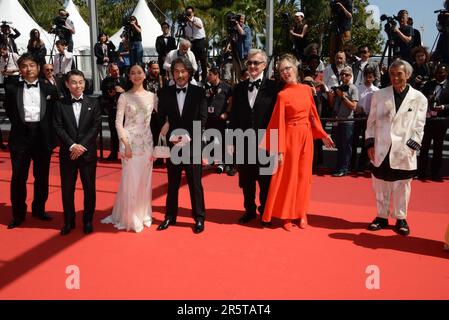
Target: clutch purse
column 161, row 150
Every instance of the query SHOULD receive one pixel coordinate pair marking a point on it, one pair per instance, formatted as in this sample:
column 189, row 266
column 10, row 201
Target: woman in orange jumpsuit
column 296, row 119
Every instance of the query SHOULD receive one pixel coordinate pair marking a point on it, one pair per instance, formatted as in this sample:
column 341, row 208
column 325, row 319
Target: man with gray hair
column 394, row 132
column 252, row 105
column 183, row 52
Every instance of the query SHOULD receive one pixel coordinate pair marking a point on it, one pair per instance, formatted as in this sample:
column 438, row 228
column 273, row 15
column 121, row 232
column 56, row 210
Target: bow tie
column 80, row 100
column 178, row 90
column 30, row 85
column 254, row 84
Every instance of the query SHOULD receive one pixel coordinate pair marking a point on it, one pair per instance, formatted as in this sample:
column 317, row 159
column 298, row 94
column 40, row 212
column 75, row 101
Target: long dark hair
column 129, row 83
column 35, row 41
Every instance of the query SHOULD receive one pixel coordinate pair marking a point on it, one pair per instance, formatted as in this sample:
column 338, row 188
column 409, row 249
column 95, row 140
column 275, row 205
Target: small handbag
column 161, row 150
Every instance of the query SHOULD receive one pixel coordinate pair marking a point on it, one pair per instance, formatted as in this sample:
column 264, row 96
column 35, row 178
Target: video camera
column 390, row 23
column 342, row 88
column 182, row 19
column 232, row 20
column 285, row 19
column 443, row 18
column 58, row 27
column 5, row 25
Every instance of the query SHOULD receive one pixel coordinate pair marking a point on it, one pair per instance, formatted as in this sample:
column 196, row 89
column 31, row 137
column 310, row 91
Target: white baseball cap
column 299, row 14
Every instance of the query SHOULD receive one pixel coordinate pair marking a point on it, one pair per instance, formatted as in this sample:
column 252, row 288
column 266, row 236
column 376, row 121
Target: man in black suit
column 29, row 105
column 252, row 105
column 183, row 106
column 164, row 44
column 77, row 121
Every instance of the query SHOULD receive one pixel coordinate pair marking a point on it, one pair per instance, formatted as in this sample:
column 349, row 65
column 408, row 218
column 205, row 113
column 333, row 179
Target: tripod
column 181, row 32
column 441, row 52
column 52, row 49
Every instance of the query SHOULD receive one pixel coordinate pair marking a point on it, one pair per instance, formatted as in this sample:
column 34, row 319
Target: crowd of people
column 391, row 113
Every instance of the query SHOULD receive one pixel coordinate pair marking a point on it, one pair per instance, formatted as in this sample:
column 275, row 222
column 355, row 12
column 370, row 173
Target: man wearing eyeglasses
column 252, row 105
column 345, row 102
column 364, row 62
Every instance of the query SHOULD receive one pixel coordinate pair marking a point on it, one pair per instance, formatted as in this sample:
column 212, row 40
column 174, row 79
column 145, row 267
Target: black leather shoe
column 88, row 228
column 166, row 223
column 199, row 226
column 339, row 174
column 401, row 227
column 42, row 216
column 247, row 217
column 66, row 229
column 3, row 146
column 14, row 223
column 378, row 223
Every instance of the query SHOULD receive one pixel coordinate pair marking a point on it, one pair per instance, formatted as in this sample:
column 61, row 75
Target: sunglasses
column 345, row 74
column 255, row 63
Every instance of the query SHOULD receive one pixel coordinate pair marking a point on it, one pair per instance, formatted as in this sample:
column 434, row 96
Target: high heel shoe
column 288, row 225
column 303, row 223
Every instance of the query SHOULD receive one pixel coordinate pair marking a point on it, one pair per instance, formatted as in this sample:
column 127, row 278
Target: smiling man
column 395, row 129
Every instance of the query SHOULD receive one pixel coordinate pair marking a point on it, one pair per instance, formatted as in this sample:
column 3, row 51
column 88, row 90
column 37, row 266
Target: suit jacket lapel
column 84, row 109
column 174, row 95
column 20, row 107
column 43, row 100
column 68, row 105
column 187, row 100
column 406, row 103
column 259, row 93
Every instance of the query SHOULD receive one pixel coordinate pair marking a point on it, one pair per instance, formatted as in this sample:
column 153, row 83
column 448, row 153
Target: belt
column 195, row 40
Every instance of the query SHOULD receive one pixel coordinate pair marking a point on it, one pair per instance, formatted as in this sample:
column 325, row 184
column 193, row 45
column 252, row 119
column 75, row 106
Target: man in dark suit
column 183, row 106
column 164, row 44
column 29, row 105
column 77, row 121
column 252, row 105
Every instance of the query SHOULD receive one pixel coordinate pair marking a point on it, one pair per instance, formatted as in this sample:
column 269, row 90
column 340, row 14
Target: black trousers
column 359, row 131
column 21, row 160
column 114, row 135
column 69, row 170
column 248, row 176
column 199, row 49
column 436, row 131
column 193, row 174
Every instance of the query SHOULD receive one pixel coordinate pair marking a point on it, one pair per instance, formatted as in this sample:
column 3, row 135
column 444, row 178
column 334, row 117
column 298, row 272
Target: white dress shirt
column 194, row 33
column 32, row 102
column 181, row 97
column 365, row 95
column 174, row 54
column 10, row 63
column 63, row 62
column 77, row 109
column 253, row 94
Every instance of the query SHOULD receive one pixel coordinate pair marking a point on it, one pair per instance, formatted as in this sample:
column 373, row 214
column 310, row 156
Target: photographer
column 341, row 11
column 63, row 28
column 111, row 88
column 195, row 32
column 244, row 37
column 299, row 32
column 134, row 32
column 36, row 47
column 345, row 102
column 7, row 38
column 442, row 50
column 422, row 70
column 403, row 37
column 9, row 67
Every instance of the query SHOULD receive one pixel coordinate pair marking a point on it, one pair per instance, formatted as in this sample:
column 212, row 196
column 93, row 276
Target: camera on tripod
column 182, row 19
column 232, row 20
column 58, row 27
column 390, row 23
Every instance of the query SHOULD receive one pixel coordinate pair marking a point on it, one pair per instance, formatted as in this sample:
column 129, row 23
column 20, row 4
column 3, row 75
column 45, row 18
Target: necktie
column 178, row 90
column 30, row 85
column 80, row 100
column 254, row 84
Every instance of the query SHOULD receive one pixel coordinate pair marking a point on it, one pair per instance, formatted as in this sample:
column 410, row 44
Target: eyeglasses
column 288, row 68
column 255, row 63
column 345, row 74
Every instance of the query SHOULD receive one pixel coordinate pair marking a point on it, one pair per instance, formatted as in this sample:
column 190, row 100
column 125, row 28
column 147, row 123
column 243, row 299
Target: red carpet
column 228, row 261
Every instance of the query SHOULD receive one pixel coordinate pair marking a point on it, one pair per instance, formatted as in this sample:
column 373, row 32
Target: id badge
column 211, row 109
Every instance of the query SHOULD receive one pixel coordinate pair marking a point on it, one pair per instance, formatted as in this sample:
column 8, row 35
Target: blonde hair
column 289, row 58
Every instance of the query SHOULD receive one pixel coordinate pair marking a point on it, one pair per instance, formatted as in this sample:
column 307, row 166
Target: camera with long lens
column 443, row 18
column 342, row 88
column 390, row 23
